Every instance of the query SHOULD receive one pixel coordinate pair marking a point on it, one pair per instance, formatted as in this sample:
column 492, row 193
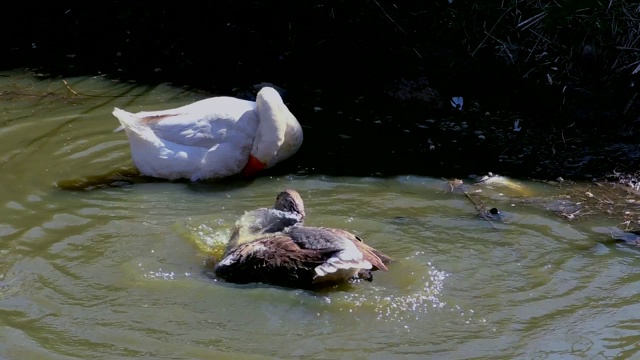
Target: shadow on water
column 131, row 176
column 115, row 178
column 315, row 292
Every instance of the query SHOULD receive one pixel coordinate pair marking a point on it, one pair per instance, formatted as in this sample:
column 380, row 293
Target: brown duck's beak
column 253, row 167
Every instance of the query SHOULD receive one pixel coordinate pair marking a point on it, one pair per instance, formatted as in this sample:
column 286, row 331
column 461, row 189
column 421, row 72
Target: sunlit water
column 118, row 272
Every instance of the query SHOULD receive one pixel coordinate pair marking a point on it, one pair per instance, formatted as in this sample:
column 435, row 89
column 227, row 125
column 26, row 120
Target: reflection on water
column 116, row 271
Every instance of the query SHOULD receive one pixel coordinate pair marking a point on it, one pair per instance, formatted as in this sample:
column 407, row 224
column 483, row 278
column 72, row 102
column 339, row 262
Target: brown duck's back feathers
column 272, row 246
column 375, row 257
column 301, row 257
column 272, row 260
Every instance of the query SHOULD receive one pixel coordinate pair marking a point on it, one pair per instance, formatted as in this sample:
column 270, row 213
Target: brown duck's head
column 290, row 201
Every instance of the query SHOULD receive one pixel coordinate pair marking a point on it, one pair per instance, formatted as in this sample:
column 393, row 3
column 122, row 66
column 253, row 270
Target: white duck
column 212, row 138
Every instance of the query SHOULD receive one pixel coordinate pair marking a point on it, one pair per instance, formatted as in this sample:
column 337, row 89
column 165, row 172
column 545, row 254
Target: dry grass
column 558, row 38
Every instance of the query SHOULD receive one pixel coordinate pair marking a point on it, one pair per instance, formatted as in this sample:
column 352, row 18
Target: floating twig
column 80, row 94
column 69, row 87
column 480, row 208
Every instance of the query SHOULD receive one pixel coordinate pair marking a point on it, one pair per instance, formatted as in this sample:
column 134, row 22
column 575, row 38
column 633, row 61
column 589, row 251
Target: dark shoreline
column 370, row 84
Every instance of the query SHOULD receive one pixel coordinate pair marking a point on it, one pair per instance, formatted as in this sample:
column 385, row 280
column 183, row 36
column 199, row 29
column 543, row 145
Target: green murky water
column 117, row 272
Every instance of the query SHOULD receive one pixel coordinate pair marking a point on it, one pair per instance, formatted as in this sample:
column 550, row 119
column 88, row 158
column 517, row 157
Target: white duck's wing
column 205, row 123
column 211, row 138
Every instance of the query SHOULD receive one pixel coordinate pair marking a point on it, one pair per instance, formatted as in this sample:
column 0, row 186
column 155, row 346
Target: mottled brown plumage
column 377, row 259
column 280, row 253
column 287, row 211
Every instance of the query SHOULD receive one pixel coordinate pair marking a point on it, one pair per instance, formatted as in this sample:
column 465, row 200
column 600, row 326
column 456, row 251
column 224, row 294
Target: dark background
column 347, row 59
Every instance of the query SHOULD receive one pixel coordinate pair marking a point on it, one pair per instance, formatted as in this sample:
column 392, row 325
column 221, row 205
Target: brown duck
column 272, row 246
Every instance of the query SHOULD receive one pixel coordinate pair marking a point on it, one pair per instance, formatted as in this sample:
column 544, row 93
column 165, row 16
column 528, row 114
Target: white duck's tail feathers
column 127, row 120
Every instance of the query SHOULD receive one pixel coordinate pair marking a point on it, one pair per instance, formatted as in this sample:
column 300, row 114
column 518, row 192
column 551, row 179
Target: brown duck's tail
column 375, row 257
column 384, row 258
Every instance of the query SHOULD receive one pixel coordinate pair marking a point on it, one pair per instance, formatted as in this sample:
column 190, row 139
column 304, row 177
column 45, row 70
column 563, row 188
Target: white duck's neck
column 275, row 118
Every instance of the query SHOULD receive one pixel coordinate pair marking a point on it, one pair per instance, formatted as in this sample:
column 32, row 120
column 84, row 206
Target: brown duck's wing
column 257, row 223
column 318, row 238
column 273, row 260
column 375, row 257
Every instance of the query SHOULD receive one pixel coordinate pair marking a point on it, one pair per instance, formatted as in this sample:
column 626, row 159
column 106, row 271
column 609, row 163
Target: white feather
column 348, row 259
column 211, row 138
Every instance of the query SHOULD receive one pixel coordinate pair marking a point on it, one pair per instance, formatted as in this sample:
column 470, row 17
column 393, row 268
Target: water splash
column 209, row 237
column 161, row 274
column 429, row 297
column 392, row 307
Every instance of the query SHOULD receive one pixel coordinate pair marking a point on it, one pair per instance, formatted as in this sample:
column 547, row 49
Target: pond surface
column 116, row 272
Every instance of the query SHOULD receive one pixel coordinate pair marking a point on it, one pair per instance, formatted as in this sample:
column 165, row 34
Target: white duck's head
column 279, row 134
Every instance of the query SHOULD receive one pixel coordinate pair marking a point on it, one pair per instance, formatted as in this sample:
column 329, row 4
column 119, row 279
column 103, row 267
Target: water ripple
column 118, row 272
